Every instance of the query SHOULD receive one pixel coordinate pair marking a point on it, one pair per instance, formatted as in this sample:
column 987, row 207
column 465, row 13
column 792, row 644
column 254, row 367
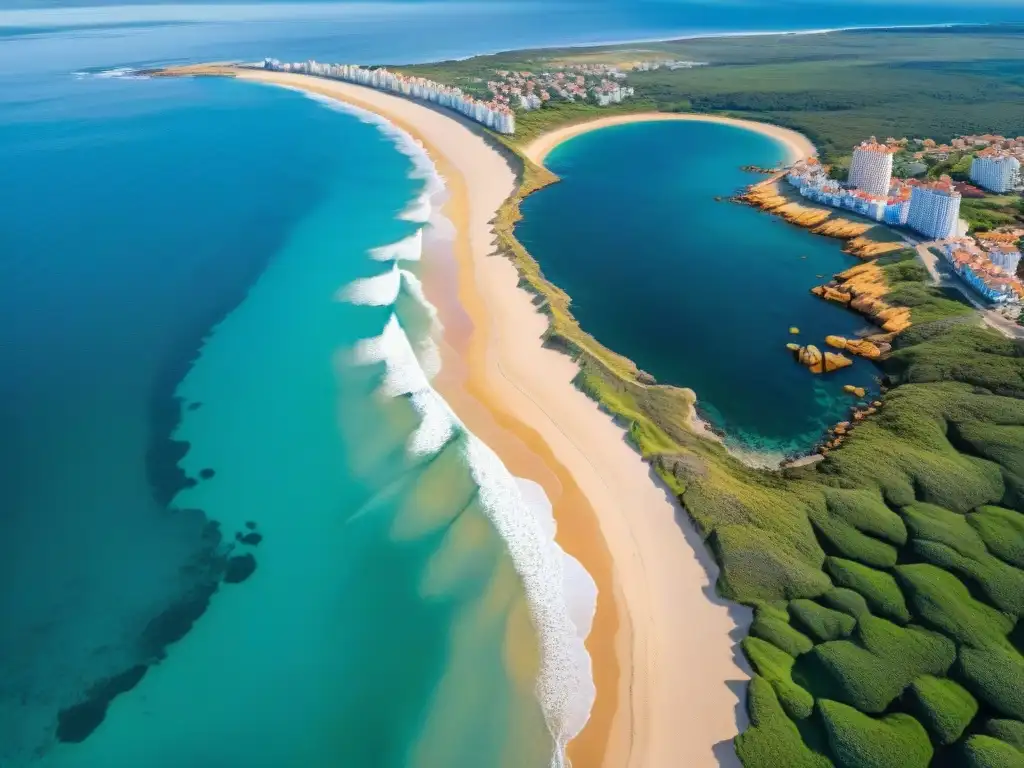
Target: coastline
column 797, row 145
column 657, row 609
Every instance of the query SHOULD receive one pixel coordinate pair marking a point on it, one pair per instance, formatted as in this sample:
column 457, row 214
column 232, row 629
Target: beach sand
column 797, row 145
column 669, row 676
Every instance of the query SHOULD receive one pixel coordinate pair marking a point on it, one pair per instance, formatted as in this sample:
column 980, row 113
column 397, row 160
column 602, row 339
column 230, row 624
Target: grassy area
column 886, row 580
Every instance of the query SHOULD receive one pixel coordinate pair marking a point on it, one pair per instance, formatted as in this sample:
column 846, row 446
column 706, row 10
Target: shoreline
column 657, row 608
column 796, row 144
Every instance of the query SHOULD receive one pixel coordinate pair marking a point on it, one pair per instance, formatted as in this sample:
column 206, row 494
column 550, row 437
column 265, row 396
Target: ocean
column 699, row 292
column 238, row 526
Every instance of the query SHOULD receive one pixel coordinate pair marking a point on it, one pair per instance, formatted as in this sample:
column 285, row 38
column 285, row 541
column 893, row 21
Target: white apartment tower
column 995, row 171
column 871, row 169
column 934, row 209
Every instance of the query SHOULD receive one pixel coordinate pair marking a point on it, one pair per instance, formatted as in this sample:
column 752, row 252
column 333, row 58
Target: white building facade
column 871, row 168
column 996, row 171
column 934, row 210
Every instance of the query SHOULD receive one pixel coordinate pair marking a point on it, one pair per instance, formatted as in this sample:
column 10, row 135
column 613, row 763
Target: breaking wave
column 560, row 593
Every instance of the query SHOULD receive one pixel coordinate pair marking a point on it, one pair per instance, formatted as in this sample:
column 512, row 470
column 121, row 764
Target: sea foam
column 561, row 594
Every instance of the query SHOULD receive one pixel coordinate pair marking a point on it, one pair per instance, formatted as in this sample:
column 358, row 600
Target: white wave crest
column 407, row 249
column 377, row 291
column 123, row 73
column 561, row 594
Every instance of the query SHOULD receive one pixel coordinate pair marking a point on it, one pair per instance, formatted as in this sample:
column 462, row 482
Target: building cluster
column 988, row 263
column 996, row 170
column 929, row 208
column 494, row 114
column 987, row 266
column 601, row 83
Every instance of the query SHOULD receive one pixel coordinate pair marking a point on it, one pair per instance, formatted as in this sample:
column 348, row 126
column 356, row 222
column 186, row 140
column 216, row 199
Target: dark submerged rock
column 250, row 525
column 239, row 568
column 76, row 723
column 207, row 473
column 252, row 539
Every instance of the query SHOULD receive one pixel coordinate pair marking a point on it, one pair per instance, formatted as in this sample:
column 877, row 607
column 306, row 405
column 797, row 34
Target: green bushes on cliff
column 859, row 741
column 943, row 707
column 772, row 739
column 820, row 622
column 986, row 752
column 871, row 669
column 866, row 511
column 943, row 602
column 995, row 674
column 776, row 666
column 777, row 631
column 1010, row 731
column 878, row 588
column 847, row 601
column 849, row 542
column 1002, row 530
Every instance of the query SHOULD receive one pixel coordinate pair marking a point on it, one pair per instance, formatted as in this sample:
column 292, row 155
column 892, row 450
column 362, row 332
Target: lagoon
column 700, row 293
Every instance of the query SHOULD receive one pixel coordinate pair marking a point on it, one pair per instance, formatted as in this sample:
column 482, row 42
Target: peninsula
column 882, row 585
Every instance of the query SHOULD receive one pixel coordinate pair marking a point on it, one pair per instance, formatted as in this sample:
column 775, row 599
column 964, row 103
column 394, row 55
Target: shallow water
column 698, row 292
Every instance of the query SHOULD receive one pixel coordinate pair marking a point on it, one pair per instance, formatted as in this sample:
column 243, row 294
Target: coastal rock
column 817, row 361
column 239, row 568
column 794, row 330
column 836, row 341
column 841, row 428
column 809, row 356
column 833, row 362
column 645, row 378
column 852, row 390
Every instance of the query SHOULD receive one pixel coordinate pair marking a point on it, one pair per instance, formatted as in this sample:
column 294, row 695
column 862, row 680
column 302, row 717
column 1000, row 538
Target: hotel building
column 934, row 209
column 977, row 269
column 871, row 168
column 996, row 171
column 495, row 115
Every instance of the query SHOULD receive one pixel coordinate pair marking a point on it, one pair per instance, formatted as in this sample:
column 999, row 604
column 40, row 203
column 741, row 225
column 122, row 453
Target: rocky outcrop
column 769, row 196
column 861, row 288
column 860, row 347
column 818, row 361
column 850, row 389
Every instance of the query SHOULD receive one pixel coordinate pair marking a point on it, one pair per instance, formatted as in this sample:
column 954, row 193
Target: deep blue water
column 698, row 292
column 168, row 243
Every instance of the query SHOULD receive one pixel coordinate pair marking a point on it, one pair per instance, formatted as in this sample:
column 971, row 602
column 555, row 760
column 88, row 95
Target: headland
column 661, row 639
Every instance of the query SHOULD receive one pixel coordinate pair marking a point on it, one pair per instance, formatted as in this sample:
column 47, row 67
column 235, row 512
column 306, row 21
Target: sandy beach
column 669, row 677
column 797, row 145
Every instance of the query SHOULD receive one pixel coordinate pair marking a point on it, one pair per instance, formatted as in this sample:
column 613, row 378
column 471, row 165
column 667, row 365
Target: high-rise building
column 995, row 171
column 871, row 168
column 934, row 209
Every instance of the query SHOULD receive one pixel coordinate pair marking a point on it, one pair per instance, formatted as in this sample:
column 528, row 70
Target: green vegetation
column 888, row 579
column 944, row 707
column 986, row 752
column 1010, row 731
column 996, row 676
column 878, row 588
column 820, row 622
column 859, row 741
column 992, row 211
column 777, row 631
column 837, row 88
column 772, row 738
column 1002, row 530
column 776, row 667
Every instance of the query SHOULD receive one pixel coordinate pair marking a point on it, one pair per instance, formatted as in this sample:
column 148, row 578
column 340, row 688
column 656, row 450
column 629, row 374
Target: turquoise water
column 178, row 358
column 341, row 544
column 699, row 293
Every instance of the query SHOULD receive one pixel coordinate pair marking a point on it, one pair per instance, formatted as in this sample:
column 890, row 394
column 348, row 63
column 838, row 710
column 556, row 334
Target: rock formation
column 861, row 288
column 817, row 361
column 854, row 390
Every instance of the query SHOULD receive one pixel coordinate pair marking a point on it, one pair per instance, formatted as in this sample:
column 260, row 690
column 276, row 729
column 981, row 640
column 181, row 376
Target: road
column 992, row 317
